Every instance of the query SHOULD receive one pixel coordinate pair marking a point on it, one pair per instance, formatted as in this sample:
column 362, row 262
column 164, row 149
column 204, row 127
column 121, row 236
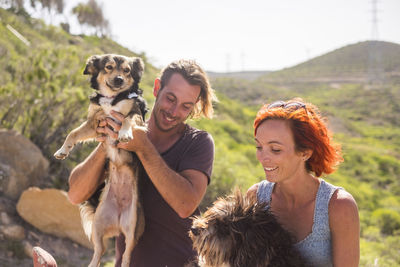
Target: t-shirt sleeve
column 199, row 155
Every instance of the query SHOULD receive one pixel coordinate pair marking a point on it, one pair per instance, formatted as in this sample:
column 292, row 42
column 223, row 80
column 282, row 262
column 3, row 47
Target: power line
column 375, row 71
column 374, row 28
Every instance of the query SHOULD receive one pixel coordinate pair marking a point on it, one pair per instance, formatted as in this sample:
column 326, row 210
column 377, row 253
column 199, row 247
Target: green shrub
column 387, row 220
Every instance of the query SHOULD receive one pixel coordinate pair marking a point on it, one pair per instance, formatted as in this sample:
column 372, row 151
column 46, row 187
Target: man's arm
column 182, row 191
column 87, row 176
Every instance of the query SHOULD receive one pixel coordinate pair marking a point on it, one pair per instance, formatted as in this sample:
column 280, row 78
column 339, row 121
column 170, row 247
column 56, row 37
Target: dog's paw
column 61, row 154
column 125, row 136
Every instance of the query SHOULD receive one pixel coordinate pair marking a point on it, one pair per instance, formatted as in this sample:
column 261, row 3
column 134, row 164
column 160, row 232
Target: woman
column 295, row 148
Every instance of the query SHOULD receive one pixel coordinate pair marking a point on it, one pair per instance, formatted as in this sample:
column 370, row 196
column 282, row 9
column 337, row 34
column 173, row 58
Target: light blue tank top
column 316, row 247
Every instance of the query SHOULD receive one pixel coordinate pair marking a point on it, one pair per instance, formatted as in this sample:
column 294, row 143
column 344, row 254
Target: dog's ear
column 137, row 68
column 92, row 65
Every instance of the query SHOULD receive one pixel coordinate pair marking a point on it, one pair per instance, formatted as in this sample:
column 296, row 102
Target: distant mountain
column 247, row 75
column 361, row 62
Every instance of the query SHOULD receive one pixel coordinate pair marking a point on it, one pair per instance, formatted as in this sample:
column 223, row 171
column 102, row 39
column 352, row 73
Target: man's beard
column 158, row 116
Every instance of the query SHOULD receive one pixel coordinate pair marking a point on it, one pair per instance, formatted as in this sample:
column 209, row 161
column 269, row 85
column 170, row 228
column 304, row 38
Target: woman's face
column 276, row 151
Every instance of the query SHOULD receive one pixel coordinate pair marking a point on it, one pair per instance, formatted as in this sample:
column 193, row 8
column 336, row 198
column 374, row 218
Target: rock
column 13, row 232
column 50, row 211
column 4, row 218
column 28, row 248
column 2, row 205
column 7, row 205
column 21, row 164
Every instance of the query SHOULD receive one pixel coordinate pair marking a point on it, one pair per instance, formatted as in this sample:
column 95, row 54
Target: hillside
column 366, row 121
column 358, row 62
column 246, row 75
column 43, row 95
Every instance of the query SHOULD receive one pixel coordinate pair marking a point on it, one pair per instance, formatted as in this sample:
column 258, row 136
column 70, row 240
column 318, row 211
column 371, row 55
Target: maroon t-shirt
column 165, row 241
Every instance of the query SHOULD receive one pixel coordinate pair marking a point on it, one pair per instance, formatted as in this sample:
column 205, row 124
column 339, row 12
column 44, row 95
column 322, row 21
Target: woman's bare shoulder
column 343, row 207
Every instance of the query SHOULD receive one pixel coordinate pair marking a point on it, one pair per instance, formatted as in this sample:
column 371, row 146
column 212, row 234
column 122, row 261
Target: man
column 178, row 161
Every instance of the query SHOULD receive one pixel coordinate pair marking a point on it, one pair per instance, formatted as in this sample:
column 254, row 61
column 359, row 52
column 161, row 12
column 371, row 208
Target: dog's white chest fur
column 105, row 103
column 113, row 152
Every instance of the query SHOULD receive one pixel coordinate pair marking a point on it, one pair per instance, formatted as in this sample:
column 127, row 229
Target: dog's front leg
column 82, row 133
column 125, row 133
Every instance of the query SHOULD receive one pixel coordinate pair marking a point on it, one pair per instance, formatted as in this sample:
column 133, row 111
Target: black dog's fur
column 237, row 231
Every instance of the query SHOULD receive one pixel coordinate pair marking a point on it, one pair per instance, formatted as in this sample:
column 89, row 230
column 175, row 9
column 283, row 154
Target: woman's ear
column 307, row 154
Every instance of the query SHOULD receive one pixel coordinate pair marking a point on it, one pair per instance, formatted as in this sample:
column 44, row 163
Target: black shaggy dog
column 238, row 232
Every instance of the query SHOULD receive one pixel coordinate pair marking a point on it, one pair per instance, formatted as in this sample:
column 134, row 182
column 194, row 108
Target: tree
column 53, row 7
column 50, row 5
column 13, row 4
column 91, row 14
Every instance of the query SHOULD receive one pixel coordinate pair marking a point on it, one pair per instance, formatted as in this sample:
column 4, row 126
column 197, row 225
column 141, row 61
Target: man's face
column 174, row 102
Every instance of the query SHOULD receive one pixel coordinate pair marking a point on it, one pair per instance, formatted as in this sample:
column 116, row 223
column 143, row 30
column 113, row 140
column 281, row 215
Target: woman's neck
column 297, row 192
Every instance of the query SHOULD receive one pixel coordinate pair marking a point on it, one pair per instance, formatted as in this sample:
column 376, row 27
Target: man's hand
column 139, row 139
column 101, row 132
column 139, row 133
column 109, row 127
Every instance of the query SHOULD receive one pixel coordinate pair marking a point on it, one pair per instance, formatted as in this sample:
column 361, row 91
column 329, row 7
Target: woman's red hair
column 309, row 132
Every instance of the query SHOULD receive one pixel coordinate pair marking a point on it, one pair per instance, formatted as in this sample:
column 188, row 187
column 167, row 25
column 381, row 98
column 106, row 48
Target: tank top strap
column 321, row 212
column 264, row 191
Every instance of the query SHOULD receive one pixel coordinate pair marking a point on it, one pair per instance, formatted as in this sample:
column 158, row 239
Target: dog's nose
column 118, row 81
column 195, row 231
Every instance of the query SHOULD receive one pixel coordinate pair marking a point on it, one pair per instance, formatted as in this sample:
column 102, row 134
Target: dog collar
column 133, row 95
column 95, row 98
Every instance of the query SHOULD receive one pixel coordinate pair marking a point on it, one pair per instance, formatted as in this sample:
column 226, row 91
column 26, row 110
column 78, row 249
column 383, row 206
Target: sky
column 233, row 35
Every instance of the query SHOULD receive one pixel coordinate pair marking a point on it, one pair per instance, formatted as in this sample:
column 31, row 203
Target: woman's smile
column 270, row 169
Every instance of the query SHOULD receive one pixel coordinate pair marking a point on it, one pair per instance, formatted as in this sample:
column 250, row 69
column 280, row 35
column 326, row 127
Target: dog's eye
column 109, row 67
column 127, row 70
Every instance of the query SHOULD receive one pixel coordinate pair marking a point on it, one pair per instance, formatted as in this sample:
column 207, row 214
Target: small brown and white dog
column 237, row 232
column 119, row 209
